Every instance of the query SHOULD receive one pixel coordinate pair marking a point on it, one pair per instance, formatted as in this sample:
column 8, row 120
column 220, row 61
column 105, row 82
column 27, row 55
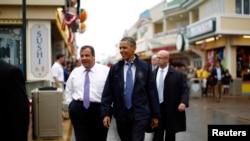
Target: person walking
column 15, row 104
column 130, row 94
column 83, row 95
column 154, row 62
column 204, row 78
column 218, row 74
column 173, row 94
column 58, row 71
column 227, row 79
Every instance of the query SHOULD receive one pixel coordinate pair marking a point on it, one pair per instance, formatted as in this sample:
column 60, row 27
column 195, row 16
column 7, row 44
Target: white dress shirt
column 75, row 83
column 218, row 74
column 57, row 71
column 165, row 71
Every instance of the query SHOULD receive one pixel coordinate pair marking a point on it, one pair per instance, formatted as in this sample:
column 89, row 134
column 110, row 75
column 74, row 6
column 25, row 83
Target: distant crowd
column 206, row 78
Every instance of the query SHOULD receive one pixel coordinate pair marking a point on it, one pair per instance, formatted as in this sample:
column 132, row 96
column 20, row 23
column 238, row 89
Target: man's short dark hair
column 92, row 50
column 130, row 40
column 58, row 56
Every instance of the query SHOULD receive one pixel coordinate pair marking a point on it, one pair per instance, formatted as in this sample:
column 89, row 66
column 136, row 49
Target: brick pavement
column 238, row 106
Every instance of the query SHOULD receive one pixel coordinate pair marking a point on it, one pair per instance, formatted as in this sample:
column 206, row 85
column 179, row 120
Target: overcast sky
column 107, row 21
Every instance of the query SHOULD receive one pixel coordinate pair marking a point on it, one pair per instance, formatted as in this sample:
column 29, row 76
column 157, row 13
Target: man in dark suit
column 218, row 74
column 14, row 104
column 154, row 62
column 173, row 94
column 132, row 112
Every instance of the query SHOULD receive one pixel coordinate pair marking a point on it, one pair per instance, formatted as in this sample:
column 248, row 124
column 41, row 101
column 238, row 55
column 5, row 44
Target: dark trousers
column 161, row 129
column 130, row 129
column 87, row 123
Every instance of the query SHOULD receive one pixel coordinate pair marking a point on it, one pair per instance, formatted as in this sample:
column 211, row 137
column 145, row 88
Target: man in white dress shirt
column 86, row 120
column 57, row 71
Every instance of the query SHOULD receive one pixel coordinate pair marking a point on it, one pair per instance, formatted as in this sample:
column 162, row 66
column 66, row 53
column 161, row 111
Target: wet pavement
column 238, row 106
column 232, row 110
column 202, row 112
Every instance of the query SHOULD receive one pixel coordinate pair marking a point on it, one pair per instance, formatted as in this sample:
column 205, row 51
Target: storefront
column 243, row 68
column 226, row 45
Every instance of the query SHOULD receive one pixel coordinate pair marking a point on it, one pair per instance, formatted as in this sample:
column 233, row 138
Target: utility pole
column 24, row 38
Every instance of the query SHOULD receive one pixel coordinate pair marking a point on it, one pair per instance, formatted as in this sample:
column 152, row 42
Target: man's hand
column 181, row 107
column 154, row 122
column 106, row 121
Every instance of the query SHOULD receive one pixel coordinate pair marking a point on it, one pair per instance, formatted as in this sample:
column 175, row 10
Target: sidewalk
column 238, row 106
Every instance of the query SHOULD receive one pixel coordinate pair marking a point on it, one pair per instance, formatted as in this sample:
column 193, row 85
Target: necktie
column 129, row 87
column 160, row 86
column 86, row 90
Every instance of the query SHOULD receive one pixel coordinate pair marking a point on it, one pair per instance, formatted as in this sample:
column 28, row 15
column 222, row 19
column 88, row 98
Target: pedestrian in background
column 191, row 73
column 130, row 94
column 15, row 104
column 204, row 78
column 58, row 71
column 173, row 94
column 77, row 63
column 154, row 62
column 227, row 79
column 83, row 95
column 66, row 71
column 218, row 74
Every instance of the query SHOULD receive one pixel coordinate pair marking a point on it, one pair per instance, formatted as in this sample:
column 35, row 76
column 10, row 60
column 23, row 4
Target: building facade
column 34, row 50
column 198, row 33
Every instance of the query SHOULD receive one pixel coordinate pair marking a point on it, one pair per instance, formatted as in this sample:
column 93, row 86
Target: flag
column 68, row 19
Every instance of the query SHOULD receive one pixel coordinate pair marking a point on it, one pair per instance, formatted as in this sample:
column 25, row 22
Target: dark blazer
column 145, row 101
column 214, row 75
column 176, row 91
column 14, row 104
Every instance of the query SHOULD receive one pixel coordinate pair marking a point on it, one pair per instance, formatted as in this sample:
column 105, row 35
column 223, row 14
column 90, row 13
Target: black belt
column 91, row 103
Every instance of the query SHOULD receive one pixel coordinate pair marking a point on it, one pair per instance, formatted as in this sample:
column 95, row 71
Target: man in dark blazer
column 218, row 74
column 173, row 94
column 131, row 121
column 14, row 104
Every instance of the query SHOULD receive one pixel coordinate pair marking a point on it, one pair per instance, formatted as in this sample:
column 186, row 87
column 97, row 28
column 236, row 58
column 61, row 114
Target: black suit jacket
column 14, row 104
column 176, row 91
column 145, row 101
column 214, row 75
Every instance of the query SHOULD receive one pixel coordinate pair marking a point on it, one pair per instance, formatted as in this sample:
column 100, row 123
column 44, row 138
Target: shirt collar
column 165, row 69
column 91, row 69
column 126, row 62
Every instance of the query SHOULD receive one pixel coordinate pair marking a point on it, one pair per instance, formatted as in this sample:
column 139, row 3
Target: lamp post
column 24, row 38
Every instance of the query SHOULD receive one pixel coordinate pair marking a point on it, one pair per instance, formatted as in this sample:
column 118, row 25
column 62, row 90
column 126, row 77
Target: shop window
column 216, row 55
column 243, row 62
column 242, row 6
column 197, row 62
column 10, row 45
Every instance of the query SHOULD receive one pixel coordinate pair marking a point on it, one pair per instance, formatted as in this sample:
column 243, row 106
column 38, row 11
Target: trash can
column 47, row 112
column 195, row 88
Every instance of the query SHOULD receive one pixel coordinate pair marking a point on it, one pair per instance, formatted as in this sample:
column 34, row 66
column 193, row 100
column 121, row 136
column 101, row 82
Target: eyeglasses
column 161, row 57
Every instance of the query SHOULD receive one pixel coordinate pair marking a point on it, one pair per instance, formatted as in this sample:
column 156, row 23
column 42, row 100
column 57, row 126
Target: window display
column 243, row 63
column 10, row 45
